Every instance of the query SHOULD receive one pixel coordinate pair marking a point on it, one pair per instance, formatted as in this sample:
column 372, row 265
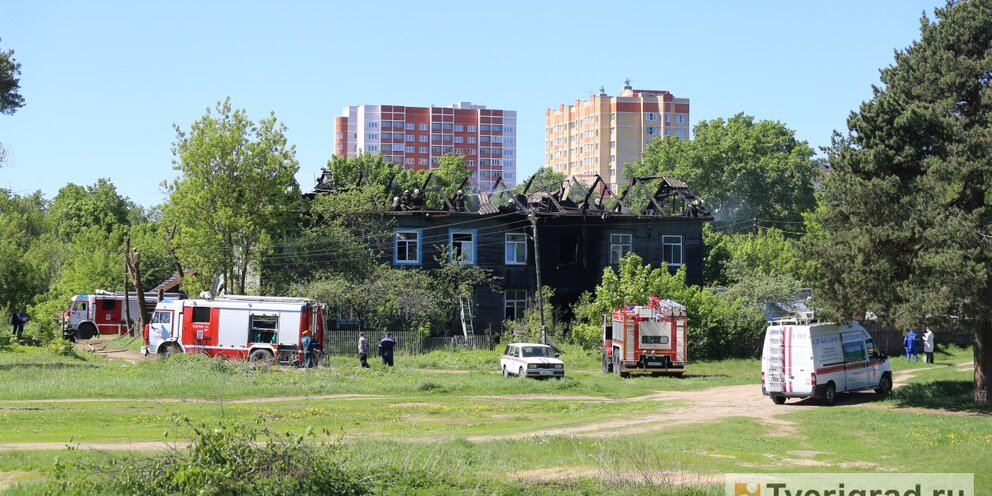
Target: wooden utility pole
column 537, row 267
column 127, row 299
column 133, row 260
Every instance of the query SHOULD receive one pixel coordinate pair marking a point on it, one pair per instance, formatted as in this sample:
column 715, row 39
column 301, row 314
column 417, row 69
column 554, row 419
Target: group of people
column 385, row 350
column 17, row 320
column 913, row 342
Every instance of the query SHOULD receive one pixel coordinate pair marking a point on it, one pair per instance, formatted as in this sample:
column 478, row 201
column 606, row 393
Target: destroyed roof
column 653, row 196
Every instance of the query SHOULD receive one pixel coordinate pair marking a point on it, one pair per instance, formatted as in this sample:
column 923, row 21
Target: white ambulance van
column 820, row 359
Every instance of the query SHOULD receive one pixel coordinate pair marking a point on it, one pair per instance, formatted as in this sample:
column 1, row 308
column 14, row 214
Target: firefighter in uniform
column 385, row 350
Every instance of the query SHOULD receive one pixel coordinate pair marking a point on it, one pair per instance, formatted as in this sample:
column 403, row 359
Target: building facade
column 598, row 136
column 417, row 137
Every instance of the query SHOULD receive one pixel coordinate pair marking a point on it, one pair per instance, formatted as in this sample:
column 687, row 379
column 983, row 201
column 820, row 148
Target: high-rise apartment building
column 417, row 137
column 600, row 135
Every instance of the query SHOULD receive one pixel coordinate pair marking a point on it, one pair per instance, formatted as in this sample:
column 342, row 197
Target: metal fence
column 346, row 342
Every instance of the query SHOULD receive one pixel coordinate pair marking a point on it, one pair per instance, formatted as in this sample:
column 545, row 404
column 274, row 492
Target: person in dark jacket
column 912, row 345
column 385, row 350
column 21, row 318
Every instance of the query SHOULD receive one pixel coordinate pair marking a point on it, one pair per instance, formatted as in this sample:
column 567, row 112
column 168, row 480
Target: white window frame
column 670, row 240
column 470, row 260
column 617, row 245
column 515, row 247
column 519, row 304
column 418, row 242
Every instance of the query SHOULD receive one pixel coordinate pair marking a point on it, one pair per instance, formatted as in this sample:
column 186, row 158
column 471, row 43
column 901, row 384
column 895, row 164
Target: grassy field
column 452, row 418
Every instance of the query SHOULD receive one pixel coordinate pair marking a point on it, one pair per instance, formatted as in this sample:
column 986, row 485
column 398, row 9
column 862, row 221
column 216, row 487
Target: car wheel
column 829, row 394
column 884, row 384
column 778, row 400
column 520, row 373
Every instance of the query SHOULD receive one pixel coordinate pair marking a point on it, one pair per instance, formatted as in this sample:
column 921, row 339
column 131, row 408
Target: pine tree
column 906, row 212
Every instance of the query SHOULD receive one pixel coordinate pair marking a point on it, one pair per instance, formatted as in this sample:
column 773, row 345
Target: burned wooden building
column 572, row 231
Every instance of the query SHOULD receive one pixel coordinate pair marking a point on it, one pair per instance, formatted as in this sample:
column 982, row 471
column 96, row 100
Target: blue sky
column 104, row 83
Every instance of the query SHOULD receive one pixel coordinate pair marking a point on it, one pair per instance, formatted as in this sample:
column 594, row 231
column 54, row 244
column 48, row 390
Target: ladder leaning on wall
column 466, row 312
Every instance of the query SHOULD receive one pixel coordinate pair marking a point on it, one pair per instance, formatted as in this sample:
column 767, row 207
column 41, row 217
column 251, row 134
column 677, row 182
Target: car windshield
column 538, row 351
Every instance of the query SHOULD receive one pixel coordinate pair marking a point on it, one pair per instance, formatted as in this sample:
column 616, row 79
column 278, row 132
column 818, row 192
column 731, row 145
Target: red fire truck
column 258, row 328
column 648, row 339
column 102, row 312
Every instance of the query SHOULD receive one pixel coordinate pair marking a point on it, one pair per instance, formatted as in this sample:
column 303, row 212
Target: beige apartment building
column 600, row 135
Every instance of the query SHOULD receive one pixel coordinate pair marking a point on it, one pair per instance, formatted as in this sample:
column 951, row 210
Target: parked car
column 531, row 360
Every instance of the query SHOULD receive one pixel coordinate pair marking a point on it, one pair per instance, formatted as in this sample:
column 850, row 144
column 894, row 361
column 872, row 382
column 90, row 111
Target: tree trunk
column 983, row 360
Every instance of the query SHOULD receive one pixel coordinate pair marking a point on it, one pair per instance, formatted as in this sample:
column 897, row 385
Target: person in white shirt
column 363, row 350
column 928, row 344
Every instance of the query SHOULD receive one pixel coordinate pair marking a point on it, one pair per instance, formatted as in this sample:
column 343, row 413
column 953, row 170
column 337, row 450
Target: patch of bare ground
column 659, row 477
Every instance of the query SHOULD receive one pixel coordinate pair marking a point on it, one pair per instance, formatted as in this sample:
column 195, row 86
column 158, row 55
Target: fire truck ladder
column 466, row 306
column 776, row 360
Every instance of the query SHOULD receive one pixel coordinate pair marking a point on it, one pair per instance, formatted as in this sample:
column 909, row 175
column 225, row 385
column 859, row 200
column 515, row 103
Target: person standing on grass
column 912, row 342
column 928, row 344
column 363, row 350
column 386, row 346
column 13, row 321
column 21, row 318
column 305, row 343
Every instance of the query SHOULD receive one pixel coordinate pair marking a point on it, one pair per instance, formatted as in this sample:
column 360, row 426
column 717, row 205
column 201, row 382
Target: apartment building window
column 446, row 127
column 668, row 118
column 515, row 302
column 471, row 151
column 668, row 132
column 651, row 130
column 471, row 129
column 459, row 127
column 409, row 126
column 620, row 245
column 471, row 139
column 507, row 130
column 471, row 163
column 680, row 133
column 408, row 161
column 411, row 137
column 409, row 149
column 422, row 127
column 650, row 116
column 671, row 250
column 373, row 125
column 406, row 247
column 516, row 249
column 372, row 136
column 680, row 119
column 459, row 151
column 423, row 138
column 422, row 161
column 506, row 165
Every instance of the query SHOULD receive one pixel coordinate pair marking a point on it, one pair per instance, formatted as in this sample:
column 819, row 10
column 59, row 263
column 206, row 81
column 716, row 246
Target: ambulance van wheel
column 520, row 373
column 829, row 394
column 778, row 400
column 885, row 384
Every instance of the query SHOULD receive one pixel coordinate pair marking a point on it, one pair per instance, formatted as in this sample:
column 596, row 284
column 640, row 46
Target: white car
column 531, row 360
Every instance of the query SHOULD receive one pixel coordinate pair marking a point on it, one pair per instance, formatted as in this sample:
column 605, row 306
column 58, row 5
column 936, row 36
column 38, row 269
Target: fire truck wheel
column 86, row 330
column 167, row 350
column 778, row 400
column 260, row 356
column 607, row 365
column 885, row 384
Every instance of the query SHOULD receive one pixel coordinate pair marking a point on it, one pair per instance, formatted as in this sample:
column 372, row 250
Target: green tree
column 10, row 84
column 234, row 196
column 23, row 258
column 76, row 208
column 743, row 168
column 905, row 223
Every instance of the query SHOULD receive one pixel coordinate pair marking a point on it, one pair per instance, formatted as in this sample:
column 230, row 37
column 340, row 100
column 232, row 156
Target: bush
column 61, row 347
